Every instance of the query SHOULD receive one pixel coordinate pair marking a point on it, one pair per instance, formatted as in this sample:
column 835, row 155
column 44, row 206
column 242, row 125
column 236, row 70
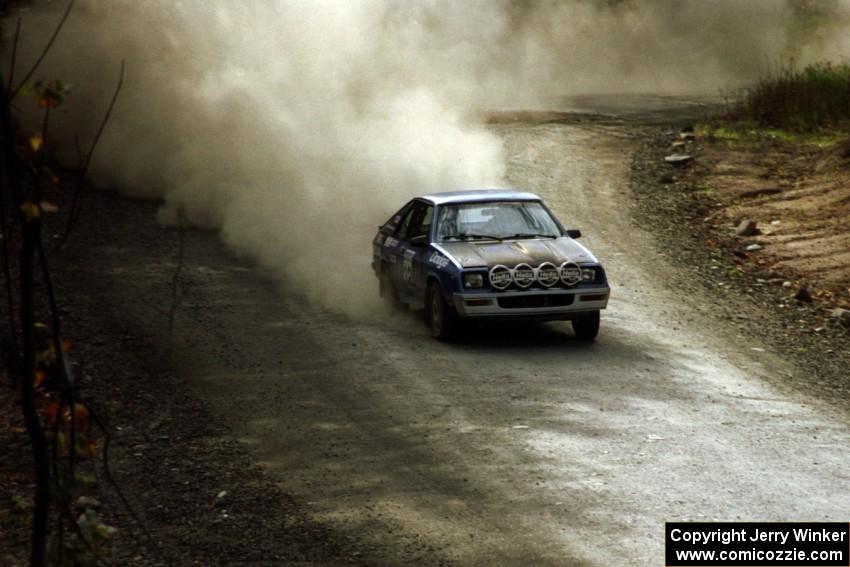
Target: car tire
column 439, row 316
column 387, row 292
column 586, row 326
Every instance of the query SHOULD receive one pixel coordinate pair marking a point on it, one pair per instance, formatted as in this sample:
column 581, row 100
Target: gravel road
column 513, row 446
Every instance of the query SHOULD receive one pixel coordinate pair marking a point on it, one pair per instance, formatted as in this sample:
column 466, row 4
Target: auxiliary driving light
column 523, row 275
column 570, row 273
column 500, row 277
column 547, row 274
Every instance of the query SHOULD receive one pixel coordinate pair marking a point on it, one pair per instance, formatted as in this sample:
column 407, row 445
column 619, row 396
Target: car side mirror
column 420, row 240
column 573, row 233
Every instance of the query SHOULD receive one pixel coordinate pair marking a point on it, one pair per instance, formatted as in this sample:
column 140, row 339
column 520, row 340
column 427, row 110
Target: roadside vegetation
column 799, row 100
column 65, row 434
column 805, row 108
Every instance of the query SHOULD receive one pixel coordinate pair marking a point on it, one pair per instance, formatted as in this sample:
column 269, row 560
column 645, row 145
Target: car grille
column 531, row 301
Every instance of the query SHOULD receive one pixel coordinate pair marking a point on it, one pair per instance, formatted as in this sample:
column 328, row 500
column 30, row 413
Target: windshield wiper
column 473, row 236
column 532, row 235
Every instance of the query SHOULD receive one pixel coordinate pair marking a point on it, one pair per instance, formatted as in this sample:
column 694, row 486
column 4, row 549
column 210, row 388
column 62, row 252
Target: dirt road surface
column 513, row 446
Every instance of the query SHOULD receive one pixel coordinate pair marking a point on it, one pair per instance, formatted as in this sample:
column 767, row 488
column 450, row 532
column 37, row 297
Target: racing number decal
column 407, row 265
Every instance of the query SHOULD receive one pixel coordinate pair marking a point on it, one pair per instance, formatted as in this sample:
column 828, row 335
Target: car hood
column 513, row 252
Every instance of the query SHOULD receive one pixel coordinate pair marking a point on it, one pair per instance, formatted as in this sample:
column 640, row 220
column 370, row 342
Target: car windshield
column 495, row 221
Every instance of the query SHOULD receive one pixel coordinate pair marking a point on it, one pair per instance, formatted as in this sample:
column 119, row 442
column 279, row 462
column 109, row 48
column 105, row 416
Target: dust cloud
column 295, row 127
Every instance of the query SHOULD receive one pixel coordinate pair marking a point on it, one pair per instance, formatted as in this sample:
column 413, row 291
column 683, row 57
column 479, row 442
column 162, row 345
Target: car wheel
column 440, row 317
column 586, row 327
column 387, row 291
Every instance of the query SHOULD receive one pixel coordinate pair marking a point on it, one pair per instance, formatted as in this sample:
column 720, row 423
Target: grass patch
column 746, row 132
column 799, row 100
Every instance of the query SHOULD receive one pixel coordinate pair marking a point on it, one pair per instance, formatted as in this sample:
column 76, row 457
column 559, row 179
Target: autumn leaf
column 47, row 356
column 81, row 414
column 36, row 141
column 50, row 413
column 31, row 211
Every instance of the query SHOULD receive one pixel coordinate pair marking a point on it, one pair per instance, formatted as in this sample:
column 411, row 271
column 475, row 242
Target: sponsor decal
column 447, row 255
column 438, row 260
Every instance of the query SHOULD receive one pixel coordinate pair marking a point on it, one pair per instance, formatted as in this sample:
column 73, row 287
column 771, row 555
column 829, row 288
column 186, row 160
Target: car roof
column 479, row 195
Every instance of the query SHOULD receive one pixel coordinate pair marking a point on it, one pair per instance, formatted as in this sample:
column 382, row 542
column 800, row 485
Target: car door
column 418, row 250
column 408, row 273
column 386, row 246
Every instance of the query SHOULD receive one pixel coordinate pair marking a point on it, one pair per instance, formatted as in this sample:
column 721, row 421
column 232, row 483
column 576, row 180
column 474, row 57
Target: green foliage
column 735, row 133
column 50, row 94
column 799, row 99
column 21, row 504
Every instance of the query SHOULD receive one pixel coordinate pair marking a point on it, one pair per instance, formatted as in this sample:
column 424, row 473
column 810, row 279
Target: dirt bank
column 797, row 195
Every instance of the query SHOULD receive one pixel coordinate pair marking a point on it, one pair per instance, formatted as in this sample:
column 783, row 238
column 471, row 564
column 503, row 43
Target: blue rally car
column 488, row 254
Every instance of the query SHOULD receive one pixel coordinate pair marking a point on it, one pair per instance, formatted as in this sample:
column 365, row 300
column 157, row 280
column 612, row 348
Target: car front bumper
column 532, row 304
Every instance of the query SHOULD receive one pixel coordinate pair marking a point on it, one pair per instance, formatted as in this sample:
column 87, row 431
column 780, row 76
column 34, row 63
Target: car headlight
column 588, row 274
column 473, row 280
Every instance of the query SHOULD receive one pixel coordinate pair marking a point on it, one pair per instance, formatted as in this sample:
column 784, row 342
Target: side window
column 391, row 226
column 404, row 226
column 417, row 221
column 421, row 224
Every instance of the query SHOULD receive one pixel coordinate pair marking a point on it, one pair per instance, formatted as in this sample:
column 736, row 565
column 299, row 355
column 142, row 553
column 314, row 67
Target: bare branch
column 5, row 234
column 104, row 121
column 75, row 203
column 14, row 52
column 107, row 473
column 31, row 230
column 45, row 51
column 79, row 150
column 30, row 235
